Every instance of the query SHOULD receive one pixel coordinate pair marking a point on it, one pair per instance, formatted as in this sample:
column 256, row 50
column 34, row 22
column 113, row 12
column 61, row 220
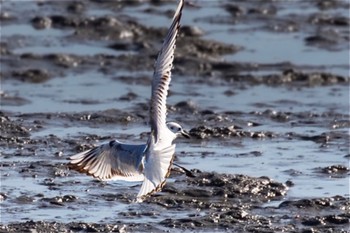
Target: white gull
column 149, row 162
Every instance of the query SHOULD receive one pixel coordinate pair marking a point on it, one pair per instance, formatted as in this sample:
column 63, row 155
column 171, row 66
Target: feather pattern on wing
column 111, row 161
column 160, row 148
column 162, row 75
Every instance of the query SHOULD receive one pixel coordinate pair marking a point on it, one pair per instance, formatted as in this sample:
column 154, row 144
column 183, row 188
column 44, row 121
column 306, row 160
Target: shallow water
column 259, row 45
column 281, row 158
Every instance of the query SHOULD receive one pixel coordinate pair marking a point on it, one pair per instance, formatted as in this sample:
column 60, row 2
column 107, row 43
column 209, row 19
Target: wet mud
column 46, row 116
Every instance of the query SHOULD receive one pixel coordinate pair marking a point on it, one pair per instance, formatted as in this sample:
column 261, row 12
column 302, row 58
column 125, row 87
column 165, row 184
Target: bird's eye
column 171, row 127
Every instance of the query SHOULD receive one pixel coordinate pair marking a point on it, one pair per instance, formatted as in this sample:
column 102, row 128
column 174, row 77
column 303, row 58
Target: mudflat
column 262, row 87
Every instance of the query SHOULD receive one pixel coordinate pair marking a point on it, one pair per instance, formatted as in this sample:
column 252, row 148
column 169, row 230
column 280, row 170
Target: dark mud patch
column 286, row 77
column 108, row 116
column 32, row 75
column 12, row 100
column 137, row 46
column 210, row 201
column 230, row 127
column 203, row 132
column 42, row 226
column 12, row 131
column 334, row 171
column 317, row 214
column 221, row 201
column 218, row 187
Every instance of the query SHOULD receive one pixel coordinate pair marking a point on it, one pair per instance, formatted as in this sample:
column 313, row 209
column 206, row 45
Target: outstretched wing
column 159, row 155
column 157, row 169
column 111, row 161
column 162, row 75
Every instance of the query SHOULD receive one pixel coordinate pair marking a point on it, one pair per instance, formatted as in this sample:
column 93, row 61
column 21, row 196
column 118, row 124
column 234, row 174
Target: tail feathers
column 148, row 187
column 157, row 169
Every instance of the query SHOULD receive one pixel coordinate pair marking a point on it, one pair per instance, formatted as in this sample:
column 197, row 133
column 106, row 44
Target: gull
column 149, row 162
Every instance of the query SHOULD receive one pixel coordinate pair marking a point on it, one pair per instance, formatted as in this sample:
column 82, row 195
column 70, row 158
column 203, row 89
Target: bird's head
column 177, row 129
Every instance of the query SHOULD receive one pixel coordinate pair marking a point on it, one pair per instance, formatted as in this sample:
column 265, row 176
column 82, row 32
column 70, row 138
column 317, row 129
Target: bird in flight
column 149, row 162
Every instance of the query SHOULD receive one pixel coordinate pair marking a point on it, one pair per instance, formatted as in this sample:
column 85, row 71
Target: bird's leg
column 187, row 172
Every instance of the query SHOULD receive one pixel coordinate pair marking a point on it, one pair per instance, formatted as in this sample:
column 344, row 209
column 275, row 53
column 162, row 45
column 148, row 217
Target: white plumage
column 149, row 162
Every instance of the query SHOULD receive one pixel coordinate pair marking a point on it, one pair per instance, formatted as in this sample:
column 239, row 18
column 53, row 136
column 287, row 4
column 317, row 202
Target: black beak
column 185, row 134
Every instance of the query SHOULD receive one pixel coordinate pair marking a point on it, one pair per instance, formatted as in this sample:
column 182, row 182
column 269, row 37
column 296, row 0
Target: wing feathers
column 162, row 75
column 160, row 152
column 111, row 161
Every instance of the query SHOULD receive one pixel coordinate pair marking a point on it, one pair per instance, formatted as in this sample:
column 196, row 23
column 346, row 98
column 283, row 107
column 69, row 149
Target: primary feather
column 161, row 150
column 111, row 161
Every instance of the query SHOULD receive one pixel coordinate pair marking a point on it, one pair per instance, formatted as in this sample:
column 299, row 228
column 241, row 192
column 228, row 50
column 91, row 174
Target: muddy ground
column 94, row 87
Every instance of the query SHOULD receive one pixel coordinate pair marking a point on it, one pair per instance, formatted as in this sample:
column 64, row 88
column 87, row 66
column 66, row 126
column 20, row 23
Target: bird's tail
column 157, row 169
